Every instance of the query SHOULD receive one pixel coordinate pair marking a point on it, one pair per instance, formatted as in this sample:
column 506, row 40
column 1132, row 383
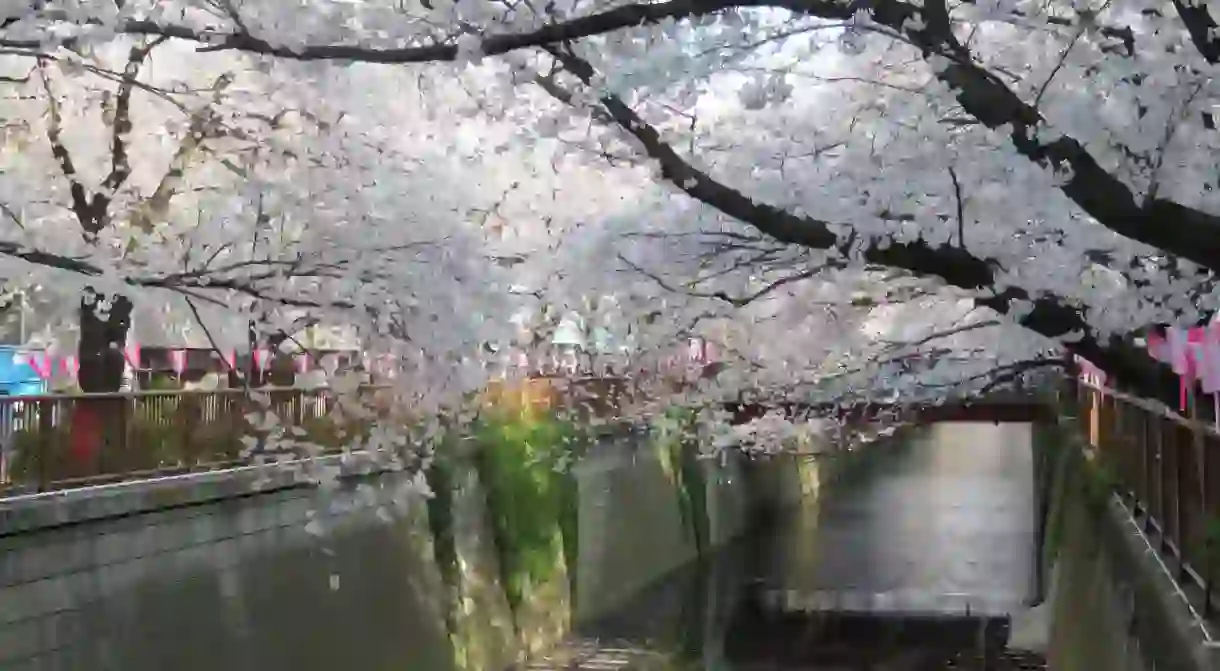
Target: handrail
column 1154, row 407
column 1161, row 465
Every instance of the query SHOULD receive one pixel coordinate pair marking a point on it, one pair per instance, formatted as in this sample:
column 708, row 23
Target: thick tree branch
column 92, row 211
column 120, row 166
column 81, row 205
column 1045, row 314
column 1202, row 27
column 1194, row 235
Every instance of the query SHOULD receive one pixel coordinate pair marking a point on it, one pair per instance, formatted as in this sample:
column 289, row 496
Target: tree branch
column 92, row 211
column 735, row 301
column 1046, row 314
column 120, row 167
column 1201, row 26
column 81, row 205
column 1195, row 235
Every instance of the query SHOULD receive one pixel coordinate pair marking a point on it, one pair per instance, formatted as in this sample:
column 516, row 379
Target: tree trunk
column 103, row 335
column 99, row 428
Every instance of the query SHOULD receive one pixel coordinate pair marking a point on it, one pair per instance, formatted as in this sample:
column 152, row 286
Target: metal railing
column 52, row 442
column 1167, row 469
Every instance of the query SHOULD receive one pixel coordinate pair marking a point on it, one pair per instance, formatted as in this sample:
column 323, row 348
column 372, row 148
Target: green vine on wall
column 679, row 453
column 521, row 463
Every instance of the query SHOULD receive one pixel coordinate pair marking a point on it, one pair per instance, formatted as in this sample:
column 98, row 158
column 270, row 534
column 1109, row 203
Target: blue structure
column 17, row 376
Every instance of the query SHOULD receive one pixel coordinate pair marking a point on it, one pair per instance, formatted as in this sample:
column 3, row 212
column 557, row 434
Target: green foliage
column 1098, row 484
column 163, row 382
column 1056, row 461
column 139, row 444
column 679, row 455
column 522, row 462
column 444, row 543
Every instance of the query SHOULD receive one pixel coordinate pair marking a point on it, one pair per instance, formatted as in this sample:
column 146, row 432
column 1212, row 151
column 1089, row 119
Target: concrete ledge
column 33, row 512
column 1168, row 627
column 1115, row 605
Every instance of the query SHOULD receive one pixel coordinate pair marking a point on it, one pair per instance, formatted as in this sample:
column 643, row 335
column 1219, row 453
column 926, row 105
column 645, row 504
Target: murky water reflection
column 915, row 564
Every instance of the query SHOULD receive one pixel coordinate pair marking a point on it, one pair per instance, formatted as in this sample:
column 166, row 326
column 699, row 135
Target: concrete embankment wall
column 1110, row 601
column 225, row 571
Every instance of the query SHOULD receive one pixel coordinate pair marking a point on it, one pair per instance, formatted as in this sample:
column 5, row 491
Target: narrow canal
column 915, row 563
column 911, row 561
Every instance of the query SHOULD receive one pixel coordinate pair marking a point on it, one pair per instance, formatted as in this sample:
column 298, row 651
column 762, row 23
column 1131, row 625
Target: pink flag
column 71, row 366
column 262, row 358
column 132, row 354
column 1209, row 362
column 1178, row 343
column 42, row 364
column 177, row 360
column 1158, row 347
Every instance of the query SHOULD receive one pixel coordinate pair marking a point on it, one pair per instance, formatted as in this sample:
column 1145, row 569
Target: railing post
column 46, row 430
column 1205, row 521
column 1143, row 501
column 236, row 403
column 1163, row 496
column 1200, row 520
column 1179, row 526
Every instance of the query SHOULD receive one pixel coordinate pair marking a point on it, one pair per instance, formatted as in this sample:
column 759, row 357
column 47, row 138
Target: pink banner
column 177, row 360
column 42, row 364
column 262, row 359
column 132, row 354
column 71, row 366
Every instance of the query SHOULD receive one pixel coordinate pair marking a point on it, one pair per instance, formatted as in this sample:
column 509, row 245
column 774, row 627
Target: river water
column 914, row 564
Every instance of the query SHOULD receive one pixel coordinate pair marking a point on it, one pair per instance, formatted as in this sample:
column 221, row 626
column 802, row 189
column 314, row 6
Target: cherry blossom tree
column 1010, row 150
column 204, row 194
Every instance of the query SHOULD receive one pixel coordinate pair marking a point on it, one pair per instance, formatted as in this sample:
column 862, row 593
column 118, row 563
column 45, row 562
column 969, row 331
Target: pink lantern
column 42, row 364
column 262, row 359
column 177, row 360
column 132, row 354
column 71, row 366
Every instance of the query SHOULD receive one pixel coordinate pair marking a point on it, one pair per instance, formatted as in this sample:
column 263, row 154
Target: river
column 915, row 563
column 910, row 561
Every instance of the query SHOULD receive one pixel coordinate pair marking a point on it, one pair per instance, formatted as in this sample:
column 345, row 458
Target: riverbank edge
column 1110, row 602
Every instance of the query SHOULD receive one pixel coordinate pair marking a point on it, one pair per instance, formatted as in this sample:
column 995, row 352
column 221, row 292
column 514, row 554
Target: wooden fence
column 1167, row 468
